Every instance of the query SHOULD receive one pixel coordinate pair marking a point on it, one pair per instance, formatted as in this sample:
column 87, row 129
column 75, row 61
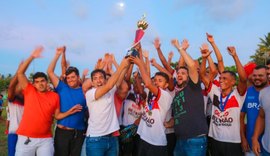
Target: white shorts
column 34, row 146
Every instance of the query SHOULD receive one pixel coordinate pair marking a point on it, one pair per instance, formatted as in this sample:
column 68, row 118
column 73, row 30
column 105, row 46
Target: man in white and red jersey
column 151, row 128
column 227, row 103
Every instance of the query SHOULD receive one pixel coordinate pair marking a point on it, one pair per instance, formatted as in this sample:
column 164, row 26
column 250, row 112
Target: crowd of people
column 190, row 110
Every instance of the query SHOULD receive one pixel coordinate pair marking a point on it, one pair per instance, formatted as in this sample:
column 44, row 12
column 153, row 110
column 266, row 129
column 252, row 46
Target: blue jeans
column 191, row 147
column 264, row 152
column 102, row 146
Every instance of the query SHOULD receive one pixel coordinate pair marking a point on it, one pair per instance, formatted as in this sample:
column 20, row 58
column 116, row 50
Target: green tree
column 263, row 51
column 4, row 82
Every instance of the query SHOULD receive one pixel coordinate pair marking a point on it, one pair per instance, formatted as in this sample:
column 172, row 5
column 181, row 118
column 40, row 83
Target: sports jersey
column 151, row 128
column 225, row 124
column 132, row 109
column 251, row 107
column 15, row 108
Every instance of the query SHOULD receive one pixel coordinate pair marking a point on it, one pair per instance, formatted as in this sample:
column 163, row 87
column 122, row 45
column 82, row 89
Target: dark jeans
column 219, row 148
column 171, row 142
column 191, row 147
column 264, row 152
column 146, row 149
column 68, row 142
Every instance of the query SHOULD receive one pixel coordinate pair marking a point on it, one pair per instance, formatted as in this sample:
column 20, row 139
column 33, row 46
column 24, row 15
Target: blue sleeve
column 244, row 107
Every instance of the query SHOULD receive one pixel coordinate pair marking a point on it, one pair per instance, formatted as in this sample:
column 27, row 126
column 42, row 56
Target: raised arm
column 12, row 85
column 211, row 40
column 112, row 80
column 84, row 74
column 204, row 78
column 242, row 84
column 193, row 73
column 53, row 77
column 147, row 62
column 170, row 56
column 22, row 79
column 161, row 56
column 145, row 77
column 64, row 64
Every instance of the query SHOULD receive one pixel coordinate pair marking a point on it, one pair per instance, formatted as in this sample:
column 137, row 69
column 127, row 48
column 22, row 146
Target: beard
column 261, row 85
column 182, row 85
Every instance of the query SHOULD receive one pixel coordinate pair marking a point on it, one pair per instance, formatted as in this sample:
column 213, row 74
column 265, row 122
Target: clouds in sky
column 220, row 10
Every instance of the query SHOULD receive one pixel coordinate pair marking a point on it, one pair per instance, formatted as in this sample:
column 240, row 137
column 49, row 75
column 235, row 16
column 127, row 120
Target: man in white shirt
column 103, row 123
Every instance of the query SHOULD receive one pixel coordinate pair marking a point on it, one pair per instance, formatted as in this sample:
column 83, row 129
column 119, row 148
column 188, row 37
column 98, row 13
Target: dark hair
column 38, row 75
column 163, row 75
column 1, row 95
column 261, row 67
column 182, row 67
column 231, row 73
column 98, row 71
column 72, row 69
column 268, row 62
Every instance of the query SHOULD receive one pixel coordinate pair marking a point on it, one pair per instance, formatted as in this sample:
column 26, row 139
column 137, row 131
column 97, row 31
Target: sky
column 89, row 29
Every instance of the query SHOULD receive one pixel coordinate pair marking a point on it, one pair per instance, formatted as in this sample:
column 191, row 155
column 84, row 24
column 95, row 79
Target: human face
column 73, row 80
column 98, row 80
column 160, row 82
column 182, row 77
column 259, row 78
column 226, row 81
column 40, row 84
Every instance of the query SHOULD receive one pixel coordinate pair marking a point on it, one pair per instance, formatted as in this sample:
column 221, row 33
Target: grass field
column 3, row 137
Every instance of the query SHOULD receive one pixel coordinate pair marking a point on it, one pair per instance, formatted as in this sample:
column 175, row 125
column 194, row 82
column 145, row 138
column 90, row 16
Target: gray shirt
column 265, row 105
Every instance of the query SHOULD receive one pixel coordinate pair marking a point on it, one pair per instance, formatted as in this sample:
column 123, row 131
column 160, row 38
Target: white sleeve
column 90, row 95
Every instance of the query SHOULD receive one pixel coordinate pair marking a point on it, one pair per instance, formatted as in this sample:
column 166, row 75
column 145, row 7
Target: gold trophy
column 142, row 25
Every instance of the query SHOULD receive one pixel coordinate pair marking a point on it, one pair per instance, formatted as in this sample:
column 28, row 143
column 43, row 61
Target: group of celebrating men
column 192, row 110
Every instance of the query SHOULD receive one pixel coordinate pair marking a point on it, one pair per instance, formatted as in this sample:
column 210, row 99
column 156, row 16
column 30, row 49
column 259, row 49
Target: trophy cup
column 142, row 25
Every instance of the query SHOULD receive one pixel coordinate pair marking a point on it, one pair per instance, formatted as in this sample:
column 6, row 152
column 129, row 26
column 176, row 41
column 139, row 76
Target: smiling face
column 73, row 80
column 227, row 81
column 160, row 82
column 259, row 78
column 98, row 79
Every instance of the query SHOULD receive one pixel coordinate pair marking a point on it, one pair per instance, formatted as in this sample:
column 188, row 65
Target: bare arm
column 161, row 56
column 170, row 56
column 244, row 142
column 12, row 85
column 259, row 128
column 112, row 80
column 242, row 85
column 193, row 74
column 211, row 40
column 59, row 115
column 87, row 84
column 53, row 77
column 22, row 79
column 145, row 77
column 64, row 63
column 147, row 63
